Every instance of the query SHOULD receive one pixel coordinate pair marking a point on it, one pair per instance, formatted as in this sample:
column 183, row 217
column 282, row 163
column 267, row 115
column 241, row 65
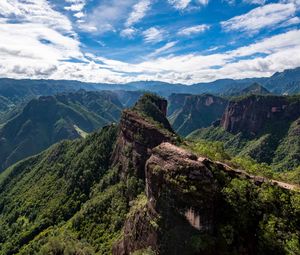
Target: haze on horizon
column 176, row 41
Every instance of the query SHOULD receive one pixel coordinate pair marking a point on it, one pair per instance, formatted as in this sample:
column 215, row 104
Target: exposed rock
column 140, row 232
column 195, row 111
column 176, row 183
column 250, row 115
column 138, row 134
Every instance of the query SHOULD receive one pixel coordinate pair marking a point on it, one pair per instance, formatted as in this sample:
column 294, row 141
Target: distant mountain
column 286, row 82
column 191, row 112
column 49, row 119
column 266, row 128
column 128, row 98
column 253, row 89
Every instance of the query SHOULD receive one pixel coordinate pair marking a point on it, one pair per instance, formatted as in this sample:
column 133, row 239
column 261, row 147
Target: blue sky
column 177, row 41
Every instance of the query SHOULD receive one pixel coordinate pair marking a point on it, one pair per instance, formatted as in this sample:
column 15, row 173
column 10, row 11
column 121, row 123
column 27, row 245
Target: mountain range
column 137, row 188
column 286, row 82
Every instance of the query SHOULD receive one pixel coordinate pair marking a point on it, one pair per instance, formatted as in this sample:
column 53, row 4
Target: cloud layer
column 40, row 41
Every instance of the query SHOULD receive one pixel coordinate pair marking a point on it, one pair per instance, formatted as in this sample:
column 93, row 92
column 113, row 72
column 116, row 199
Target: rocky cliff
column 195, row 111
column 167, row 201
column 141, row 129
column 253, row 114
column 186, row 203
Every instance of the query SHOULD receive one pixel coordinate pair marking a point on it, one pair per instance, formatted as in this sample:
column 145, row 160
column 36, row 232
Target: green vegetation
column 277, row 146
column 151, row 107
column 191, row 112
column 212, row 150
column 48, row 120
column 217, row 151
column 264, row 210
column 70, row 200
column 51, row 187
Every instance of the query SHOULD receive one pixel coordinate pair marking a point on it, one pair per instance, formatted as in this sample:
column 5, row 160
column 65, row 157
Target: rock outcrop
column 138, row 134
column 195, row 111
column 250, row 115
column 190, row 204
column 180, row 194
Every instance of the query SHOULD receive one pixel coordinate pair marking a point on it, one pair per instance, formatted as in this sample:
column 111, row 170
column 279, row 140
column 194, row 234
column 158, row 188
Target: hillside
column 47, row 120
column 191, row 112
column 131, row 189
column 262, row 127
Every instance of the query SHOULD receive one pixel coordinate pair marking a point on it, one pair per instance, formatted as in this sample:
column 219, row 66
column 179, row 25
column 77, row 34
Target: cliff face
column 251, row 114
column 196, row 206
column 195, row 111
column 180, row 192
column 138, row 134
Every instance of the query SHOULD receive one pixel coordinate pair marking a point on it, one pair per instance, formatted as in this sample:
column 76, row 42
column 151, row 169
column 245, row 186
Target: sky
column 176, row 41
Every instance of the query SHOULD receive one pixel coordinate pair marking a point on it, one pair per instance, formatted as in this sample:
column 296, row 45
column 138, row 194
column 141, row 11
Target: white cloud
column 281, row 52
column 107, row 15
column 41, row 42
column 153, row 35
column 180, row 4
column 262, row 17
column 138, row 12
column 257, row 2
column 79, row 15
column 203, row 2
column 162, row 49
column 260, row 2
column 193, row 30
column 34, row 12
column 128, row 32
column 183, row 4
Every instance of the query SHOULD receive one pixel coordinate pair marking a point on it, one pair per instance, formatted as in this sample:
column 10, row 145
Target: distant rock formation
column 251, row 114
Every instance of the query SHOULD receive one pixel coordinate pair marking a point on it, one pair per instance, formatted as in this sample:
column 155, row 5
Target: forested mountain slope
column 49, row 119
column 131, row 188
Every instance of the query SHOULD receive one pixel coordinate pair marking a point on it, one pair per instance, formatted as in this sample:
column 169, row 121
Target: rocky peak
column 141, row 129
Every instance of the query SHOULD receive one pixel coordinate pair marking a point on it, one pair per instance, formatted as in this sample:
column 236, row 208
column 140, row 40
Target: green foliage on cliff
column 151, row 107
column 217, row 151
column 212, row 150
column 265, row 210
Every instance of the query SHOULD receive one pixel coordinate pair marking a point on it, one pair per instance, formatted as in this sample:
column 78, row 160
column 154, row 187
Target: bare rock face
column 251, row 114
column 180, row 195
column 140, row 232
column 174, row 167
column 139, row 132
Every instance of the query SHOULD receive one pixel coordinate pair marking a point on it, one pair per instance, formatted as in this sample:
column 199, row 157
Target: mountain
column 128, row 98
column 262, row 127
column 253, row 89
column 191, row 112
column 49, row 119
column 133, row 189
column 286, row 82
